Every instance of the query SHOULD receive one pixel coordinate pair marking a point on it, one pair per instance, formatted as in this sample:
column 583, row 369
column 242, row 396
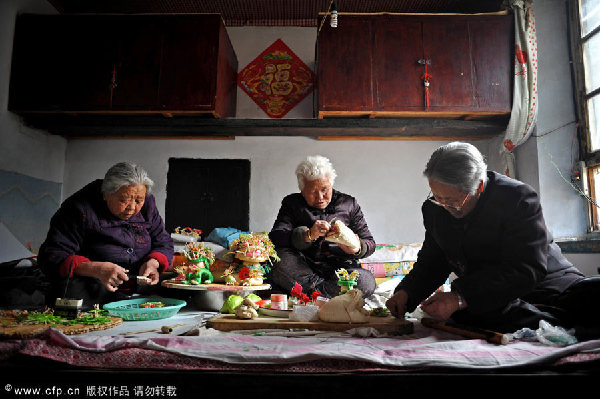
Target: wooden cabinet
column 374, row 66
column 127, row 64
column 345, row 66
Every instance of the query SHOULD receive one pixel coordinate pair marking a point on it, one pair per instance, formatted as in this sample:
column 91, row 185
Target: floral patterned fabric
column 525, row 103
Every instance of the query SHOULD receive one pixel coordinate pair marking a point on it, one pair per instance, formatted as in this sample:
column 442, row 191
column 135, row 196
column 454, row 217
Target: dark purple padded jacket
column 500, row 252
column 295, row 216
column 84, row 229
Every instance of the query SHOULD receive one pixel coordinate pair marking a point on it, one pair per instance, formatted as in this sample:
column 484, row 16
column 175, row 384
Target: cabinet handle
column 113, row 84
column 426, row 78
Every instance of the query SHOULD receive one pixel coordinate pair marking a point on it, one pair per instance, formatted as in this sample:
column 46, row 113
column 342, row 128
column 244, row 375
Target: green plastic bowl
column 129, row 310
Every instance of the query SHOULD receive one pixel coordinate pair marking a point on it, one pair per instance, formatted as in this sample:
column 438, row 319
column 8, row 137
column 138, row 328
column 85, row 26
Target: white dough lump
column 347, row 308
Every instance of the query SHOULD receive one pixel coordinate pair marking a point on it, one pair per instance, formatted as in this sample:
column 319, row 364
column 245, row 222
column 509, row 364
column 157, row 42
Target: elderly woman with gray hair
column 105, row 235
column 304, row 221
column 489, row 230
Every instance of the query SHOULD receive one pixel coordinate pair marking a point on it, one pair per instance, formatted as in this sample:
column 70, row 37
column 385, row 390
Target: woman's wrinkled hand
column 319, row 229
column 350, row 250
column 150, row 269
column 110, row 274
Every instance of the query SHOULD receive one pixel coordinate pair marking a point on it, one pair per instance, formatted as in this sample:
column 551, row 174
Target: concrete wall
column 556, row 144
column 384, row 176
column 24, row 150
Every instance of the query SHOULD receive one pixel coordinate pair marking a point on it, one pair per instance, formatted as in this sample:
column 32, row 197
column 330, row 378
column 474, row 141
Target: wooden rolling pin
column 163, row 329
column 465, row 331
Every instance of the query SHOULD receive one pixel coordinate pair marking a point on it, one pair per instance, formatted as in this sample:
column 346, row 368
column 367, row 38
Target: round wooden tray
column 20, row 331
column 214, row 287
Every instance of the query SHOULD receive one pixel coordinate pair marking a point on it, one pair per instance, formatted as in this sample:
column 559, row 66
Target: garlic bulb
column 347, row 308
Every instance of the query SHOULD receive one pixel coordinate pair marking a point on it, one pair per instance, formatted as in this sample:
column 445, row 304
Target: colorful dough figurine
column 196, row 270
column 346, row 280
column 252, row 249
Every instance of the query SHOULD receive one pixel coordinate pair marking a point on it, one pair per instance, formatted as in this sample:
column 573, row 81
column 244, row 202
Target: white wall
column 24, row 150
column 385, row 176
column 557, row 144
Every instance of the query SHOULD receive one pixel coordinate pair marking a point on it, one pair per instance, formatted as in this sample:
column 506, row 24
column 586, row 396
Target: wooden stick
column 164, row 329
column 465, row 331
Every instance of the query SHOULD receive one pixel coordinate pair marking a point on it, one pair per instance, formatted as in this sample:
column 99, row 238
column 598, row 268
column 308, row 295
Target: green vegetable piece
column 231, row 303
column 253, row 297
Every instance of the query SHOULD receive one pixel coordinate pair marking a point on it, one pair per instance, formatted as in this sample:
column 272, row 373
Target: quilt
column 316, row 352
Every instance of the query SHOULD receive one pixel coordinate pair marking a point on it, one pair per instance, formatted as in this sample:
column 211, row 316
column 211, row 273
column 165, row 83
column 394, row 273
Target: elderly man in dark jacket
column 105, row 235
column 303, row 222
column 489, row 230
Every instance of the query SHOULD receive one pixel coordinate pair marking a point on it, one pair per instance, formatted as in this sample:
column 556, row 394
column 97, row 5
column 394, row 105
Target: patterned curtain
column 525, row 104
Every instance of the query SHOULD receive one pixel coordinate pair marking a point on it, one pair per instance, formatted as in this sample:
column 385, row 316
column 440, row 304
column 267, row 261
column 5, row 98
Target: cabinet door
column 398, row 47
column 345, row 58
column 87, row 50
column 136, row 64
column 36, row 74
column 189, row 63
column 492, row 44
column 61, row 63
column 446, row 45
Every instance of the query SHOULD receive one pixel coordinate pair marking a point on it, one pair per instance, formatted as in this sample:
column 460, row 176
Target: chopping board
column 229, row 322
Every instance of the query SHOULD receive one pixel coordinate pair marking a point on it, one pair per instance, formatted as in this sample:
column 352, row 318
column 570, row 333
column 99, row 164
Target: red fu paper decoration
column 276, row 80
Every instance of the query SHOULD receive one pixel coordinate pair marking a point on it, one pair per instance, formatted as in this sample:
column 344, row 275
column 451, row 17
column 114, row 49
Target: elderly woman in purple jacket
column 303, row 222
column 105, row 235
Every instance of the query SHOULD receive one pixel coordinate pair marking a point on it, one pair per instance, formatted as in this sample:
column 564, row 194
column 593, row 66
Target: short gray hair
column 314, row 167
column 125, row 174
column 457, row 164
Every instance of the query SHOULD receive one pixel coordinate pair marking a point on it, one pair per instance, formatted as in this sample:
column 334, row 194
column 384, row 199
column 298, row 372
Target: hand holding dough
column 341, row 234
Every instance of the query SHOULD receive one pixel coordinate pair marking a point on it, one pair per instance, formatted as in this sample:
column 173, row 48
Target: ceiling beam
column 95, row 126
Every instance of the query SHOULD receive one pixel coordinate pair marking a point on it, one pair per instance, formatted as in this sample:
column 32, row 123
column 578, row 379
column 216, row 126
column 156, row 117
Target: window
column 585, row 44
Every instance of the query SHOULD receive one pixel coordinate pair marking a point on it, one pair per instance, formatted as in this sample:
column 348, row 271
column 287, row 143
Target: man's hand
column 397, row 304
column 150, row 269
column 110, row 274
column 441, row 305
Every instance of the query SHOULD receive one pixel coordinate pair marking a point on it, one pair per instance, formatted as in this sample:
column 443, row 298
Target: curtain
column 525, row 103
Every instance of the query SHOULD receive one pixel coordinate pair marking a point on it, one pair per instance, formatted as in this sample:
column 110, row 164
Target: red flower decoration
column 304, row 298
column 244, row 273
column 297, row 290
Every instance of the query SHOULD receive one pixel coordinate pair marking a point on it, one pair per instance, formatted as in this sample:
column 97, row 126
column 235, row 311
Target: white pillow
column 394, row 253
column 182, row 238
